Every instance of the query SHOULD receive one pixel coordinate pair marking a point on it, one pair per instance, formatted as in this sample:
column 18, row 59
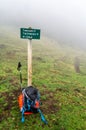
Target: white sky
column 64, row 18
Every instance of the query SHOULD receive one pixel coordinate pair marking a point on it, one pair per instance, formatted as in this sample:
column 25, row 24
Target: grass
column 63, row 91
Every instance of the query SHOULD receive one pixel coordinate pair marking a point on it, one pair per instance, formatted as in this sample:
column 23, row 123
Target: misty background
column 63, row 20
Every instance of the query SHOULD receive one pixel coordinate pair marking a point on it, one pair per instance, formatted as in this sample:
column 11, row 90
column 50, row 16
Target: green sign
column 28, row 33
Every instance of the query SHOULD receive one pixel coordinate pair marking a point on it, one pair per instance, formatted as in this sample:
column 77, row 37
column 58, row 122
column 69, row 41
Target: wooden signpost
column 29, row 33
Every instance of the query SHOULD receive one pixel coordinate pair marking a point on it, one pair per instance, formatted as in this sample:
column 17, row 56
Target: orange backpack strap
column 21, row 100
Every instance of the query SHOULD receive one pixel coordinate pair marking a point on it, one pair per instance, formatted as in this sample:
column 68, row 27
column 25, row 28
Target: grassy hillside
column 63, row 91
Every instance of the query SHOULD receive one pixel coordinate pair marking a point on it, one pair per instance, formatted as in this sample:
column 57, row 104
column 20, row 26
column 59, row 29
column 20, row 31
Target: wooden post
column 29, row 62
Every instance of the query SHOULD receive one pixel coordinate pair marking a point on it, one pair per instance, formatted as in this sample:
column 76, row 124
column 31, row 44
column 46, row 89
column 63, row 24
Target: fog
column 64, row 20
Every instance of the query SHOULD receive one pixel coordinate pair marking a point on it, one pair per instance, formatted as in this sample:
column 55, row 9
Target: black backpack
column 31, row 99
column 31, row 102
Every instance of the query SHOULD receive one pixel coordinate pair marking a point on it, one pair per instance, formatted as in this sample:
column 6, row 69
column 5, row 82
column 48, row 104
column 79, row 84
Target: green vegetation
column 63, row 91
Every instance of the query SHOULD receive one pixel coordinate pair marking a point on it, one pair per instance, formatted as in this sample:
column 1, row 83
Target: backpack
column 29, row 102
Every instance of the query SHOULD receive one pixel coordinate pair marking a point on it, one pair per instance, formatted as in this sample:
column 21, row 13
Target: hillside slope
column 63, row 91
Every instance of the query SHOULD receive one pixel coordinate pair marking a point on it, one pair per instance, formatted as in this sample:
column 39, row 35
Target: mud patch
column 50, row 105
column 8, row 101
column 2, row 46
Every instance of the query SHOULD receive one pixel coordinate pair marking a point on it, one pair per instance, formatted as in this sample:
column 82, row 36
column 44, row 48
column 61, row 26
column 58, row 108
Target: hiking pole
column 19, row 69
